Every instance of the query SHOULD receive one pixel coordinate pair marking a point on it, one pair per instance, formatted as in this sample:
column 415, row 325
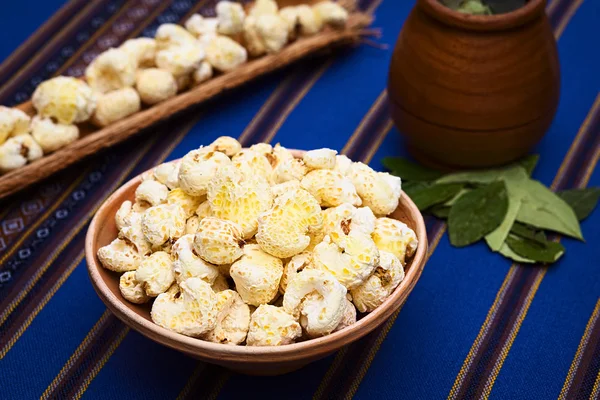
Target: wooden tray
column 94, row 139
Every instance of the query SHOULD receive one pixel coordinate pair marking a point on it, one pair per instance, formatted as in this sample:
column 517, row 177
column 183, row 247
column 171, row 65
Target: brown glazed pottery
column 268, row 360
column 473, row 91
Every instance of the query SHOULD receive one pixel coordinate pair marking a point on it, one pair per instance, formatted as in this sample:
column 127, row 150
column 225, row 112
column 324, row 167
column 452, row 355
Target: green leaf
column 410, row 171
column 484, row 176
column 477, row 213
column 546, row 253
column 496, row 238
column 458, row 196
column 529, row 162
column 508, row 253
column 582, row 201
column 543, row 209
column 441, row 211
column 435, row 194
column 527, row 232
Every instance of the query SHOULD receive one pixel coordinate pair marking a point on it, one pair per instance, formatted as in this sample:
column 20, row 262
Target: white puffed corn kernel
column 17, row 151
column 263, row 7
column 187, row 202
column 342, row 164
column 318, row 299
column 163, row 222
column 220, row 284
column 218, row 241
column 253, row 162
column 198, row 168
column 226, row 144
column 123, row 215
column 142, row 50
column 133, row 233
column 13, row 122
column 192, row 224
column 225, row 54
column 66, row 99
column 349, row 316
column 292, row 20
column 293, row 266
column 284, row 187
column 111, row 70
column 231, row 17
column 283, row 231
column 155, row 85
column 309, row 21
column 351, row 261
column 151, row 192
column 240, row 198
column 339, row 221
column 262, row 148
column 320, row 159
column 189, row 265
column 289, row 170
column 131, row 289
column 155, row 273
column 330, row 188
column 180, row 60
column 203, row 73
column 331, row 13
column 51, row 136
column 265, row 34
column 172, row 35
column 233, row 319
column 119, row 256
column 272, row 326
column 198, row 25
column 388, row 275
column 256, row 275
column 204, row 210
column 395, row 237
column 167, row 174
column 379, row 191
column 116, row 105
column 190, row 309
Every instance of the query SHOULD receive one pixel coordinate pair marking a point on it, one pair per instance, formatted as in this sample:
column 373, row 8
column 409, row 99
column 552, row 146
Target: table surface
column 475, row 325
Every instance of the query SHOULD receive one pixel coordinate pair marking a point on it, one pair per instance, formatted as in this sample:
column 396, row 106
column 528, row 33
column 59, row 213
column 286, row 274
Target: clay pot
column 473, row 91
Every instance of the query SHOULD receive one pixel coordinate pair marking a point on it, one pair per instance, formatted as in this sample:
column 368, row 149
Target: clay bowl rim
column 509, row 20
column 254, row 354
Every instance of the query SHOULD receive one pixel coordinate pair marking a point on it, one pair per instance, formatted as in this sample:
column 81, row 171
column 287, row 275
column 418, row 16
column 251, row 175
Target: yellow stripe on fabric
column 192, row 379
column 335, row 364
column 378, row 140
column 573, row 7
column 101, row 363
column 578, row 354
column 596, row 389
column 86, row 341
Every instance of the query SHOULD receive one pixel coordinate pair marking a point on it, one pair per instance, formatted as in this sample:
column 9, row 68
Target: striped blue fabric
column 57, row 340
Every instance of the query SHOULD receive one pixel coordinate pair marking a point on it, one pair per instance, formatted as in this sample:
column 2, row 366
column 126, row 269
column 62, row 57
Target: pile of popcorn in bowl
column 258, row 247
column 147, row 71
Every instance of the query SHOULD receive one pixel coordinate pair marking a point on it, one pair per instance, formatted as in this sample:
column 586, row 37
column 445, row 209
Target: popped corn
column 318, row 299
column 225, row 54
column 172, row 35
column 349, row 316
column 151, row 192
column 255, row 163
column 52, row 136
column 204, row 210
column 226, row 144
column 320, row 159
column 309, row 21
column 292, row 267
column 68, row 100
column 142, row 50
column 233, row 319
column 290, row 170
column 189, row 309
column 342, row 164
column 198, row 25
column 163, row 222
column 263, row 7
column 272, row 326
column 281, row 188
column 283, row 230
column 111, row 70
column 265, row 34
column 167, row 174
column 291, row 18
column 331, row 13
column 339, row 221
column 395, row 237
column 192, row 224
column 123, row 215
column 131, row 289
column 197, row 169
column 203, row 73
column 180, row 60
column 155, row 273
column 189, row 265
column 13, row 122
column 238, row 198
column 187, row 202
column 17, row 151
column 379, row 191
column 155, row 85
column 134, row 234
column 330, row 188
column 218, row 241
column 119, row 256
column 231, row 17
column 256, row 275
column 378, row 287
column 116, row 105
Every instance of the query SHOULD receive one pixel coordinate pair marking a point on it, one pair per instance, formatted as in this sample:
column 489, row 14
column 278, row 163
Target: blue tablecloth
column 474, row 326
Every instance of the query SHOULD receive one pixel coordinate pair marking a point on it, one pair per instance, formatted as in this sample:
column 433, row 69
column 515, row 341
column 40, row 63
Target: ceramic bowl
column 271, row 360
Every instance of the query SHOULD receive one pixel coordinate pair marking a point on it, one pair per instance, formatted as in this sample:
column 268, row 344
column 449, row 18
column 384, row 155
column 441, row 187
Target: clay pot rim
column 531, row 10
